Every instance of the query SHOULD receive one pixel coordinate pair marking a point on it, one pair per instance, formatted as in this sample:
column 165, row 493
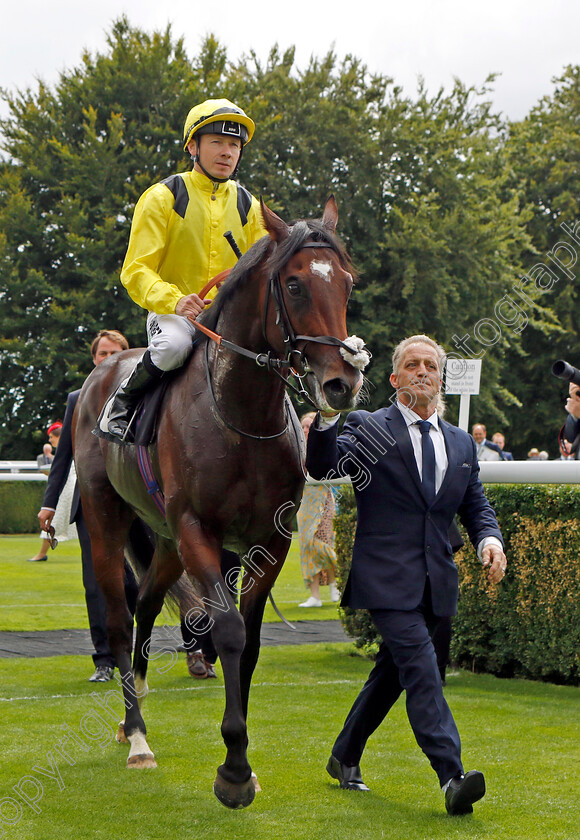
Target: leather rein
column 267, row 360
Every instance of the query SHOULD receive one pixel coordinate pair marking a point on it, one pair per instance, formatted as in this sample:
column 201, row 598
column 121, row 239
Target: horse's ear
column 276, row 227
column 330, row 215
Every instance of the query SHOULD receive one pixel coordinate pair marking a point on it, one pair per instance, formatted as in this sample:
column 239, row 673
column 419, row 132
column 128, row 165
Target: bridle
column 268, row 361
column 274, row 288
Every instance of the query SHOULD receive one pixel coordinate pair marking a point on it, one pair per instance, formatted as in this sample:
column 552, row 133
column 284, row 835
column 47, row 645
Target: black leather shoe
column 349, row 777
column 463, row 791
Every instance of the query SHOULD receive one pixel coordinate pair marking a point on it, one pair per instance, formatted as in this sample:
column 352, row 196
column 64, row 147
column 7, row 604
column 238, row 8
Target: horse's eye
column 293, row 287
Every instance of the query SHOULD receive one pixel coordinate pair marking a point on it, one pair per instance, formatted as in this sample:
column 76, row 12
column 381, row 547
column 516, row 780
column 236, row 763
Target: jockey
column 177, row 245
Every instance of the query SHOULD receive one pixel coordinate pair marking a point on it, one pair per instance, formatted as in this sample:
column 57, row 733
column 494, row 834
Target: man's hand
column 190, row 306
column 573, row 401
column 45, row 517
column 493, row 557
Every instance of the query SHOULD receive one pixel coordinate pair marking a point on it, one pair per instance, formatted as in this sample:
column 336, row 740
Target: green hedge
column 20, row 502
column 529, row 625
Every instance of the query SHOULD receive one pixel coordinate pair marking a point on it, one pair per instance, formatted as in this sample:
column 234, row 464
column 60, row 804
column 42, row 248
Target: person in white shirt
column 411, row 472
column 486, row 450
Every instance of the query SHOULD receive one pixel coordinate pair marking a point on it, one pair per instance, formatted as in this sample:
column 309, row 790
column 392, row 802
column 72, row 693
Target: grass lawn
column 523, row 735
column 50, row 596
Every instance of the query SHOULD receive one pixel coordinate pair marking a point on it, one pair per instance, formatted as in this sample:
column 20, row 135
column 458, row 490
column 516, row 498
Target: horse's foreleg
column 234, row 786
column 259, row 577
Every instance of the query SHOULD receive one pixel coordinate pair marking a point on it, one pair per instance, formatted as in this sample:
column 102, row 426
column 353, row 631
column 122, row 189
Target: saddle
column 144, row 421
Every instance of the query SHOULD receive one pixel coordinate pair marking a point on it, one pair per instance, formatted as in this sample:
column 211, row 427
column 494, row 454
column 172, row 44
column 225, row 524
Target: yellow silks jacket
column 177, row 245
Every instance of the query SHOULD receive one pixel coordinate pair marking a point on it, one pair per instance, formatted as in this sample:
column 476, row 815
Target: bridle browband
column 266, row 360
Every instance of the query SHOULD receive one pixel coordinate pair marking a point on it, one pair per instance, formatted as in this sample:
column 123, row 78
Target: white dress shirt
column 436, row 435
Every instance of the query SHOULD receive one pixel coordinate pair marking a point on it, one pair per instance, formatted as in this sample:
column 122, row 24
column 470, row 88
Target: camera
column 563, row 370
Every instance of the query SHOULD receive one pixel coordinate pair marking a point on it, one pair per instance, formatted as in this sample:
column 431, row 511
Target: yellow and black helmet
column 218, row 116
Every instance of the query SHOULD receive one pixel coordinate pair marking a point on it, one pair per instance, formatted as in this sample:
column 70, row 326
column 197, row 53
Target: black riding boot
column 129, row 394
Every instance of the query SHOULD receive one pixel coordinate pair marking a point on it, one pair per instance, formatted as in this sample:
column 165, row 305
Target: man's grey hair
column 417, row 339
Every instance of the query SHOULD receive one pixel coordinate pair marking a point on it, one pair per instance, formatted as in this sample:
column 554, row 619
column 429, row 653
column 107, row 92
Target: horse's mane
column 274, row 257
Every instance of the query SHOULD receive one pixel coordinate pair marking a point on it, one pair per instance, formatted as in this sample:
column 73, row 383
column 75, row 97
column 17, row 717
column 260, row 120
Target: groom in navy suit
column 411, row 472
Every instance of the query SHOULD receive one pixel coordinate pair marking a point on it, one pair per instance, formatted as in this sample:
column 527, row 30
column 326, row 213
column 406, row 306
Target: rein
column 261, row 359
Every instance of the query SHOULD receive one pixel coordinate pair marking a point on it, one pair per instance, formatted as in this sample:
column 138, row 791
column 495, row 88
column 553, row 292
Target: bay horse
column 228, row 457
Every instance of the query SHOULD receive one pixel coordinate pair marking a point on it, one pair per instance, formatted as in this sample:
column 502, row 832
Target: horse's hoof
column 141, row 761
column 120, row 737
column 232, row 795
column 256, row 783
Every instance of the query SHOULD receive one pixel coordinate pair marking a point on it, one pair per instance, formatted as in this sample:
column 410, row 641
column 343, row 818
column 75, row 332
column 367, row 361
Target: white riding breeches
column 170, row 340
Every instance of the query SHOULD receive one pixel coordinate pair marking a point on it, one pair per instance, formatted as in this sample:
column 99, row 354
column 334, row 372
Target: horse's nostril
column 337, row 386
column 339, row 394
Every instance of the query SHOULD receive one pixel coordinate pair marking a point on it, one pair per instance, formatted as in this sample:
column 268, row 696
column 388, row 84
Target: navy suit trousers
column 406, row 662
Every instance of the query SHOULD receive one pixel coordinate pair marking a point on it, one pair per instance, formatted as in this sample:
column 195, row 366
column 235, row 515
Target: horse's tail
column 139, row 550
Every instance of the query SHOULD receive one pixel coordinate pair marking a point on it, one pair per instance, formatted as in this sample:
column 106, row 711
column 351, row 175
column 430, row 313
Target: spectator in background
column 315, row 528
column 44, row 460
column 486, row 450
column 499, row 440
column 534, row 454
column 105, row 344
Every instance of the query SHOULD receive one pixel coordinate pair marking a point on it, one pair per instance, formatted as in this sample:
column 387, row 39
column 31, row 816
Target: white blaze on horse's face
column 323, row 269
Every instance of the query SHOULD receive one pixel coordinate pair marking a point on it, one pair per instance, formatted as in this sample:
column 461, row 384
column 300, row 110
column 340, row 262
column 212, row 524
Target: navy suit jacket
column 61, row 463
column 400, row 538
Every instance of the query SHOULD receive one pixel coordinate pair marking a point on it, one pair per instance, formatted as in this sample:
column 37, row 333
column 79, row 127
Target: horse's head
column 312, row 279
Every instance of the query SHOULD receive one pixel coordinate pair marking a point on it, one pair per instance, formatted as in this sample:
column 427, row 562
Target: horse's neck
column 244, row 381
column 240, row 323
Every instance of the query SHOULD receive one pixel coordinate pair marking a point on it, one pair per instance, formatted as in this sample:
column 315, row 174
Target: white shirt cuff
column 487, row 541
column 327, row 422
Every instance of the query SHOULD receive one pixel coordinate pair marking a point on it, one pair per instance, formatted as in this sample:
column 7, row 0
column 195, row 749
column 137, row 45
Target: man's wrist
column 485, row 542
column 326, row 420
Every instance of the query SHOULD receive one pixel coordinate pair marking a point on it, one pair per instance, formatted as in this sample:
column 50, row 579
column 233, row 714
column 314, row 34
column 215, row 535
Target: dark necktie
column 428, row 459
